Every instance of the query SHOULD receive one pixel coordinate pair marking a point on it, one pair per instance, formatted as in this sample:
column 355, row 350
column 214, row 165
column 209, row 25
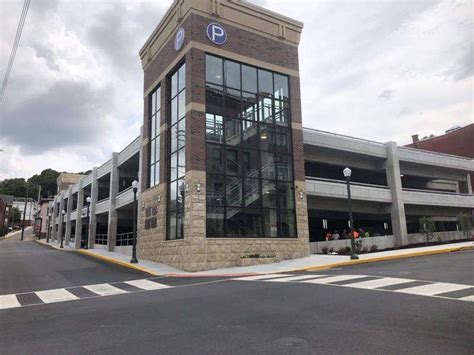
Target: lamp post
column 134, row 247
column 63, row 212
column 24, row 213
column 347, row 174
column 88, row 200
column 49, row 227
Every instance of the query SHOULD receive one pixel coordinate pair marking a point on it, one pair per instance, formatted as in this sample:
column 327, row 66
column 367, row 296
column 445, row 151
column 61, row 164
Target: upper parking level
column 377, row 150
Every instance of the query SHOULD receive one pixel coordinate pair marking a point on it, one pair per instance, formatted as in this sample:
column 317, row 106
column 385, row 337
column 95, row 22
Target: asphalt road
column 212, row 316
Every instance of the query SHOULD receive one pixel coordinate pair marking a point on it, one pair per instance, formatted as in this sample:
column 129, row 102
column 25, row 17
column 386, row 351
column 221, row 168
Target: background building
column 457, row 141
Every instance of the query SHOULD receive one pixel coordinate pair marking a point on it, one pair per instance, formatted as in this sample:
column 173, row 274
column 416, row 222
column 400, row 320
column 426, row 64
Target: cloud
column 381, row 70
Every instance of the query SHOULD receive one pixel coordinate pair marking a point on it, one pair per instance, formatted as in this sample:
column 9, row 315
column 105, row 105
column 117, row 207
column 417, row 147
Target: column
column 469, row 184
column 60, row 216
column 93, row 217
column 68, row 215
column 114, row 186
column 80, row 203
column 53, row 219
column 397, row 212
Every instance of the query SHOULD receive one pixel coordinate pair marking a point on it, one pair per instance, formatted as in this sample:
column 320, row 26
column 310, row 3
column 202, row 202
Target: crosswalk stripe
column 297, row 278
column 467, row 298
column 433, row 289
column 260, row 277
column 57, row 295
column 386, row 281
column 147, row 284
column 9, row 301
column 105, row 289
column 326, row 280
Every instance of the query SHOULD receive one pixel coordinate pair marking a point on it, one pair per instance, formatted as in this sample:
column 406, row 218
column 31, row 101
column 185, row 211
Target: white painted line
column 433, row 289
column 326, row 280
column 58, row 295
column 386, row 281
column 467, row 298
column 105, row 289
column 147, row 284
column 297, row 278
column 260, row 277
column 9, row 301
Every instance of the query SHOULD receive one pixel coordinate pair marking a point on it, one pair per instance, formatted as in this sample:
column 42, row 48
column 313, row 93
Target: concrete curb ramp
column 402, row 255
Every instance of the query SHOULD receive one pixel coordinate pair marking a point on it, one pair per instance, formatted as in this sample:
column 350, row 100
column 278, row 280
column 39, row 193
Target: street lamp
column 49, row 227
column 88, row 200
column 134, row 247
column 347, row 174
column 63, row 212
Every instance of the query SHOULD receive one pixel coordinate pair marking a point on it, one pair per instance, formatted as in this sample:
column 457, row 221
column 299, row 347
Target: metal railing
column 124, row 239
column 344, row 182
column 101, row 239
column 436, row 192
column 436, row 153
column 342, row 135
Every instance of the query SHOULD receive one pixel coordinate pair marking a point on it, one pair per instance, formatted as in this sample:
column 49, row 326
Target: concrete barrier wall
column 383, row 242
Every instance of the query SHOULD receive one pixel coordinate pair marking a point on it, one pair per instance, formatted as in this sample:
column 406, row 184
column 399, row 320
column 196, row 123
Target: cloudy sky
column 381, row 70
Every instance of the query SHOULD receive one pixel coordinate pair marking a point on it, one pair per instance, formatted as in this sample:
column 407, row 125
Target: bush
column 374, row 248
column 325, row 250
column 427, row 228
column 465, row 224
column 365, row 250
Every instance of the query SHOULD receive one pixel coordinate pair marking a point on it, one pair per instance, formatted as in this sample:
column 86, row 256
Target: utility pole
column 39, row 193
column 24, row 214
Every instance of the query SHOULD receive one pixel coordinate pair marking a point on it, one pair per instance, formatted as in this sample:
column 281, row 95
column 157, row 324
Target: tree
column 427, row 228
column 465, row 223
column 17, row 186
column 16, row 214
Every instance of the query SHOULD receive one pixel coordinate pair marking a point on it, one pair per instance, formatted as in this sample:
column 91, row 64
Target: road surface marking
column 9, row 301
column 297, row 278
column 326, row 280
column 433, row 289
column 147, row 284
column 372, row 284
column 260, row 277
column 105, row 289
column 58, row 295
column 467, row 298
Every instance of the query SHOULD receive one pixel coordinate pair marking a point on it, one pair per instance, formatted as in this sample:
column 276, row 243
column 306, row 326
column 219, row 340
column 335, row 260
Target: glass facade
column 249, row 168
column 154, row 109
column 177, row 156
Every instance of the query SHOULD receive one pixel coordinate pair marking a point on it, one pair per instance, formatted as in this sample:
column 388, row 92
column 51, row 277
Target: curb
column 382, row 258
column 117, row 262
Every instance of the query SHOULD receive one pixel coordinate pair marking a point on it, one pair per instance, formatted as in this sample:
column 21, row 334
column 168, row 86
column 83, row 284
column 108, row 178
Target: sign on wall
column 179, row 39
column 216, row 33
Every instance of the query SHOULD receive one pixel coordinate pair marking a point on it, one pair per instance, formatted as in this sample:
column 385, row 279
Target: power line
column 19, row 30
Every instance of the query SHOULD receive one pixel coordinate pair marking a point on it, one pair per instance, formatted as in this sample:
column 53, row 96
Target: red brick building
column 457, row 142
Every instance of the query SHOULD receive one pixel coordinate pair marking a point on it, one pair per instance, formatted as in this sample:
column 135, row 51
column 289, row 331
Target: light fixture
column 347, row 172
column 187, row 187
column 135, row 184
column 264, row 135
column 159, row 199
column 63, row 212
column 88, row 199
column 301, row 195
column 198, row 187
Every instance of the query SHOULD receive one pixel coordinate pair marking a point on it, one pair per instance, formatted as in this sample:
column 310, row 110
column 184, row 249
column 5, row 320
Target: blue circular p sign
column 216, row 33
column 179, row 39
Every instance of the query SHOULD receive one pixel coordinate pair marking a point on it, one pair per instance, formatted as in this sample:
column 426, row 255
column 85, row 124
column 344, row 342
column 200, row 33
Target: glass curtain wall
column 177, row 156
column 155, row 108
column 249, row 152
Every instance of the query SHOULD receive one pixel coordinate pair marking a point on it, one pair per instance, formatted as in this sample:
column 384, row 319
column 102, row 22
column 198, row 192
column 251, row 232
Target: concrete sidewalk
column 309, row 263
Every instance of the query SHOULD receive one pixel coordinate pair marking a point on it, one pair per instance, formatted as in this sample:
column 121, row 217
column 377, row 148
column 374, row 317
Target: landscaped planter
column 255, row 261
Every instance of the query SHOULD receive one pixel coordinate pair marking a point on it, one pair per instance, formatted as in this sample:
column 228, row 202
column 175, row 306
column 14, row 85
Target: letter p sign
column 216, row 33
